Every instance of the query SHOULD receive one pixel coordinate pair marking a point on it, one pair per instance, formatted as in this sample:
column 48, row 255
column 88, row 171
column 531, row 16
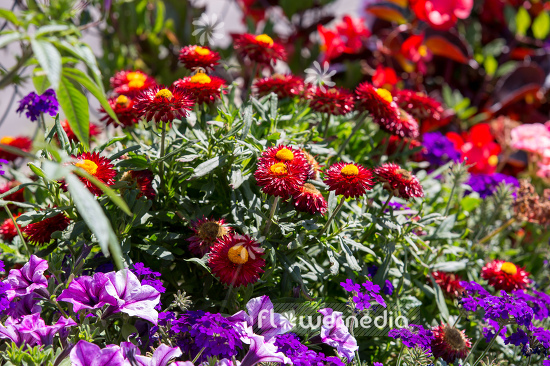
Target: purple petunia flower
column 27, row 279
column 439, row 149
column 161, row 357
column 32, row 330
column 2, row 172
column 414, row 335
column 262, row 351
column 88, row 354
column 149, row 277
column 487, row 184
column 335, row 333
column 36, row 104
column 25, row 305
column 89, row 292
column 289, row 344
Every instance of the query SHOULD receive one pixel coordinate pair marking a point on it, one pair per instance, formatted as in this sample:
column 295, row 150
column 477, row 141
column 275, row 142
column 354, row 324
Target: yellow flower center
column 509, row 268
column 88, row 166
column 493, row 160
column 530, row 98
column 350, row 169
column 202, row 51
column 238, row 254
column 278, row 169
column 423, row 50
column 136, row 79
column 264, row 38
column 6, row 140
column 200, row 78
column 284, row 154
column 384, row 94
column 164, row 93
column 122, row 100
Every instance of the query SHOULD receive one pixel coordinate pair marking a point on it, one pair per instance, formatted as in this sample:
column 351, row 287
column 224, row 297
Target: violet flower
column 3, row 161
column 89, row 354
column 412, row 336
column 261, row 319
column 161, row 357
column 32, row 330
column 26, row 305
column 133, row 298
column 27, row 279
column 335, row 333
column 89, row 292
column 36, row 104
column 262, row 351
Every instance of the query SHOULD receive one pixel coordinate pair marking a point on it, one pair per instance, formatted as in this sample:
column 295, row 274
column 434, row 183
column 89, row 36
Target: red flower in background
column 41, row 232
column 20, row 142
column 449, row 283
column 449, row 343
column 478, row 147
column 15, row 196
column 197, row 56
column 309, row 199
column 142, row 180
column 427, row 111
column 414, row 50
column 124, row 110
column 347, row 38
column 385, row 77
column 262, row 48
column 335, row 101
column 8, row 231
column 252, row 9
column 131, row 83
column 400, row 182
column 285, row 86
column 505, row 276
column 441, row 14
column 94, row 130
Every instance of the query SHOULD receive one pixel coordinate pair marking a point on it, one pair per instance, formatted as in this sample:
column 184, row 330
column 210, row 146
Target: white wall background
column 14, row 124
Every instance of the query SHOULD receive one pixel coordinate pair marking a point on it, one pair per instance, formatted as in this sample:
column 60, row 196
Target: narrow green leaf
column 75, row 106
column 206, row 167
column 61, row 134
column 9, row 16
column 523, row 21
column 247, row 121
column 49, row 59
column 51, row 28
column 8, row 38
column 440, row 300
column 541, row 25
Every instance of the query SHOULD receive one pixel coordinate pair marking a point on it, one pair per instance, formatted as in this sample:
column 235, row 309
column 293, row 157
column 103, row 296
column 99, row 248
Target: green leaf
column 82, row 78
column 51, row 28
column 541, row 25
column 95, row 218
column 200, row 261
column 159, row 20
column 9, row 16
column 440, row 300
column 206, row 167
column 61, row 134
column 523, row 21
column 8, row 38
column 247, row 121
column 40, row 80
column 75, row 106
column 490, row 64
column 510, row 17
column 49, row 59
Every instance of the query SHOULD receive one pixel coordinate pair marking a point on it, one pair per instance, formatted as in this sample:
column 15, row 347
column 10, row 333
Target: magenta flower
column 335, row 333
column 133, row 298
column 27, row 279
column 161, row 357
column 262, row 351
column 261, row 319
column 26, row 305
column 89, row 354
column 32, row 330
column 89, row 292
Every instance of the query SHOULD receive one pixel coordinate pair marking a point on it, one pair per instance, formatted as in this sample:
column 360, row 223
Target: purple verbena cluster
column 35, row 104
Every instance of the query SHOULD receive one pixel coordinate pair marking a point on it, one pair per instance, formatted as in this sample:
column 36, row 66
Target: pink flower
column 533, row 137
column 440, row 14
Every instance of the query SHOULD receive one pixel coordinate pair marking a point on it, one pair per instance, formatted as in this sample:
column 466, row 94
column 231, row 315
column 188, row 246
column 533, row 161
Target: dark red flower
column 41, row 232
column 449, row 343
column 198, row 56
column 398, row 181
column 20, row 142
column 349, row 180
column 285, row 86
column 478, row 147
column 314, row 167
column 130, row 83
column 15, row 196
column 142, row 180
column 427, row 111
column 449, row 283
column 439, row 14
column 98, row 167
column 309, row 199
column 505, row 276
column 415, row 51
column 163, row 104
column 201, row 87
column 385, row 77
column 124, row 110
column 262, row 48
column 282, row 170
column 94, row 130
column 207, row 231
column 237, row 260
column 8, row 231
column 348, row 37
column 335, row 101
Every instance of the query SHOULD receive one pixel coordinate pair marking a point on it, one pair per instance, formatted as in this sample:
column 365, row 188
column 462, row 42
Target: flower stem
column 353, row 132
column 497, row 231
column 271, row 214
column 326, row 121
column 251, row 81
column 332, row 216
column 18, row 230
column 488, row 347
column 161, row 167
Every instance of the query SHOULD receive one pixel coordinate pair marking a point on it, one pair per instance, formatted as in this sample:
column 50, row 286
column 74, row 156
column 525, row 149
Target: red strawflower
column 94, row 130
column 41, row 232
column 98, row 167
column 8, row 231
column 385, row 112
column 207, row 231
column 385, row 77
column 429, row 112
column 309, row 199
column 449, row 283
column 398, row 181
column 505, row 276
column 335, row 101
column 261, row 48
column 236, row 260
column 348, row 37
column 314, row 167
column 142, row 180
column 198, row 56
column 449, row 343
column 201, row 87
column 349, row 180
column 124, row 110
column 15, row 196
column 131, row 83
column 281, row 171
column 20, row 142
column 415, row 51
column 333, row 45
column 285, row 86
column 439, row 14
column 163, row 104
column 478, row 147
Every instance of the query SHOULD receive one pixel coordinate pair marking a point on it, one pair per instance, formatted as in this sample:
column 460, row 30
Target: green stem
column 356, row 128
column 497, row 231
column 368, row 232
column 400, row 354
column 271, row 214
column 18, row 230
column 332, row 216
column 250, row 82
column 161, row 168
column 8, row 77
column 450, row 198
column 326, row 121
column 357, row 358
column 488, row 347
